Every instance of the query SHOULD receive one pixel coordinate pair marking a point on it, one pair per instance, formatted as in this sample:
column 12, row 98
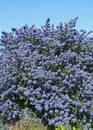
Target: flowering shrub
column 48, row 72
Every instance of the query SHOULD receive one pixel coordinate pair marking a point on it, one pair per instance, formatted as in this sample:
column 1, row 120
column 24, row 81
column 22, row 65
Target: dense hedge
column 47, row 72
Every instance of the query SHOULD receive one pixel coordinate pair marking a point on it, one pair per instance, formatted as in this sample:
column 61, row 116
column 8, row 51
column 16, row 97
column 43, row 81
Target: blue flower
column 51, row 122
column 38, row 107
column 46, row 107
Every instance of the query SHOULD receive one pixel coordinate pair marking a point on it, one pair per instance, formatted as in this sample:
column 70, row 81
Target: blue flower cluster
column 50, row 72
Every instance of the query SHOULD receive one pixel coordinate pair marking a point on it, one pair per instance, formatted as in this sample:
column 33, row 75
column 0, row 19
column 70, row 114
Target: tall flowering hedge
column 47, row 72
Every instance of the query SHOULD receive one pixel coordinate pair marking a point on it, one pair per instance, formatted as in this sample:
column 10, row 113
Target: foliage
column 47, row 73
column 1, row 124
column 61, row 127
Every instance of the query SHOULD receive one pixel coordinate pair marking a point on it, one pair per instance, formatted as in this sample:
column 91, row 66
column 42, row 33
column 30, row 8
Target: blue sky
column 17, row 13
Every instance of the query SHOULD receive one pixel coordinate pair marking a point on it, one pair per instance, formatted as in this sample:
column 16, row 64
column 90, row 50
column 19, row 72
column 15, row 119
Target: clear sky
column 17, row 13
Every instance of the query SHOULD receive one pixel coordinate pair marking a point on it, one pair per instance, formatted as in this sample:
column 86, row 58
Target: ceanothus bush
column 47, row 72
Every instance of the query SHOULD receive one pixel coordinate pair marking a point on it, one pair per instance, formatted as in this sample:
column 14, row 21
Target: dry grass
column 27, row 125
